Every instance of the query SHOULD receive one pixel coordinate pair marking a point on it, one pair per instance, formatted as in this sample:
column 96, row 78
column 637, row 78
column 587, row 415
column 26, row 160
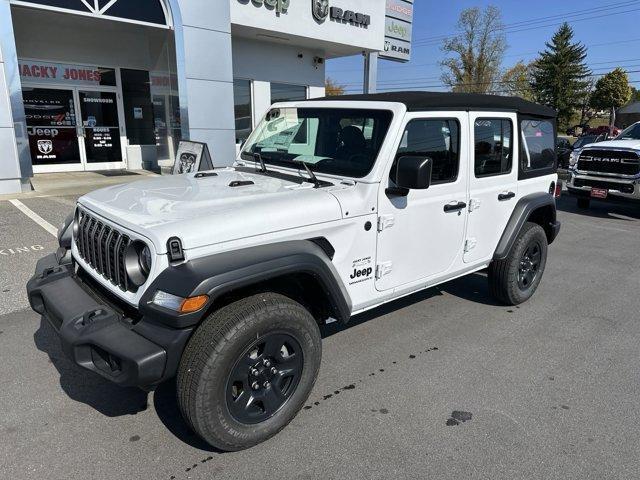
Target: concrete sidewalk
column 78, row 183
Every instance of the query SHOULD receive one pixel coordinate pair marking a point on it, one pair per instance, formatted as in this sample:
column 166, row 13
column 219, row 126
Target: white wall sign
column 398, row 30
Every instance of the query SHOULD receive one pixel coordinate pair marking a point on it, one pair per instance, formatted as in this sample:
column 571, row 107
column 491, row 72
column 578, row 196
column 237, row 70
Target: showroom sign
column 398, row 30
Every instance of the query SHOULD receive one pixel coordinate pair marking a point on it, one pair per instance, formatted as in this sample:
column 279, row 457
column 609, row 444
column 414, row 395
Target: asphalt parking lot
column 444, row 384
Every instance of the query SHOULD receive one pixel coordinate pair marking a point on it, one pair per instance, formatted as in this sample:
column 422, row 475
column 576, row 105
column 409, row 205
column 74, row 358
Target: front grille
column 103, row 248
column 619, row 187
column 621, row 162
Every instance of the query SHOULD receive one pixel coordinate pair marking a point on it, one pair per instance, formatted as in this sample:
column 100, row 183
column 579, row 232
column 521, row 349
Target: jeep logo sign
column 280, row 6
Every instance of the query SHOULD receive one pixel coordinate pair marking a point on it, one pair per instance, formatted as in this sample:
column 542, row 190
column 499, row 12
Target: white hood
column 626, row 144
column 206, row 211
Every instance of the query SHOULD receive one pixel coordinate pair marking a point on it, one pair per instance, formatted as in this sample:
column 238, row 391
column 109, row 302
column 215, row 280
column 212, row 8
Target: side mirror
column 413, row 173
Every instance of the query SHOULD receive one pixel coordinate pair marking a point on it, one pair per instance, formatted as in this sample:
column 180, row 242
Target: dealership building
column 115, row 84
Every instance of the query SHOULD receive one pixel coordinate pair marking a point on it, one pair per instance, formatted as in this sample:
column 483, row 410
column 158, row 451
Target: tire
column 584, row 203
column 211, row 385
column 507, row 281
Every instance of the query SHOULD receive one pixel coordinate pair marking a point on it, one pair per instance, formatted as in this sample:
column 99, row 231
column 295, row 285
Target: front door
column 72, row 129
column 100, row 129
column 421, row 235
column 52, row 126
column 493, row 183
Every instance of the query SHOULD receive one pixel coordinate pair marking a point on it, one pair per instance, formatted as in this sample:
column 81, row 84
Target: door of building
column 74, row 128
column 99, row 129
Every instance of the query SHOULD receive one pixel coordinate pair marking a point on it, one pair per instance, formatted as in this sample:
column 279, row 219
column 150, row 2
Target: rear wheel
column 248, row 370
column 584, row 202
column 515, row 279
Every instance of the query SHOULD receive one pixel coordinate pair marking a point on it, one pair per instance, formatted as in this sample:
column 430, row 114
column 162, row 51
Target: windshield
column 336, row 141
column 631, row 133
column 582, row 141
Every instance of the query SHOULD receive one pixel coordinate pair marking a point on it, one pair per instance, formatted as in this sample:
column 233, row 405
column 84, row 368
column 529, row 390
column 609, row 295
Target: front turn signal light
column 193, row 304
column 179, row 304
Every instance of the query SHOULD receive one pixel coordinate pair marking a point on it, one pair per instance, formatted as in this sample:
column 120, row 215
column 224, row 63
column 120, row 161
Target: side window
column 437, row 139
column 538, row 145
column 493, row 146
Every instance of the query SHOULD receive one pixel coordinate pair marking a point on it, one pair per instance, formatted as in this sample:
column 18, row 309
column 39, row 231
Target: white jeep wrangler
column 334, row 207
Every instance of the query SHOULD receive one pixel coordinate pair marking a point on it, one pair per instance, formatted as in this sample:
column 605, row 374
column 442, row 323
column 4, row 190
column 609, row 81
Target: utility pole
column 370, row 72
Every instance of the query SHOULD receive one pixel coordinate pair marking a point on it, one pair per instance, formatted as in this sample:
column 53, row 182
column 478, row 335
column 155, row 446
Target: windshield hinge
column 386, row 221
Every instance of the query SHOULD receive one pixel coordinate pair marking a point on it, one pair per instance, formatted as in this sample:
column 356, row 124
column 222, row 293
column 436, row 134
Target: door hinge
column 470, row 244
column 386, row 221
column 474, row 204
column 383, row 269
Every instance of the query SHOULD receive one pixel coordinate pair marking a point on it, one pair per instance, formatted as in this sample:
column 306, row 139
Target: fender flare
column 521, row 213
column 221, row 273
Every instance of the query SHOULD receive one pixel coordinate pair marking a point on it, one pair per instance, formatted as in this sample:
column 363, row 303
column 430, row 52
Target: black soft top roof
column 425, row 101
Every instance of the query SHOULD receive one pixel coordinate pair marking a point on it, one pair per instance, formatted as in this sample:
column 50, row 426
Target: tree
column 477, row 51
column 635, row 95
column 332, row 88
column 612, row 92
column 560, row 74
column 516, row 81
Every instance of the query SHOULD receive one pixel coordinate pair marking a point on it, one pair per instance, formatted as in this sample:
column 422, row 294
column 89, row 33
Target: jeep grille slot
column 621, row 162
column 103, row 248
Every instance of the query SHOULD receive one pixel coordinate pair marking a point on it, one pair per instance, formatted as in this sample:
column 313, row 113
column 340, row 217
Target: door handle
column 506, row 196
column 453, row 207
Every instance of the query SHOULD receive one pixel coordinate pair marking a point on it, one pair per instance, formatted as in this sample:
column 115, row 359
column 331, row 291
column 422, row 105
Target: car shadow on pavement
column 473, row 287
column 599, row 209
column 112, row 400
column 85, row 386
column 166, row 405
column 337, row 327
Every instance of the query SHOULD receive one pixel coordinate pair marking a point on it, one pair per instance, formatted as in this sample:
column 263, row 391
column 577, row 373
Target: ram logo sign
column 320, row 9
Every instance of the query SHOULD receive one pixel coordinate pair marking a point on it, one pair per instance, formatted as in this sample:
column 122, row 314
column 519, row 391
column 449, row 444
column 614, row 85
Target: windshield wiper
column 312, row 176
column 258, row 158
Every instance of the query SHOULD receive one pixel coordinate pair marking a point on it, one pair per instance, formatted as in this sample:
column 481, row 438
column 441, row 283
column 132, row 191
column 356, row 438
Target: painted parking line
column 35, row 217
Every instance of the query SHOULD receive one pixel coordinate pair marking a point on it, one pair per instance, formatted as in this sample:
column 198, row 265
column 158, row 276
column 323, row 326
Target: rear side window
column 493, row 146
column 538, row 145
column 438, row 140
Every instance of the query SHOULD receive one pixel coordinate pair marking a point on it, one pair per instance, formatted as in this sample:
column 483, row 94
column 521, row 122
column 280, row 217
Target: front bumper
column 621, row 188
column 97, row 335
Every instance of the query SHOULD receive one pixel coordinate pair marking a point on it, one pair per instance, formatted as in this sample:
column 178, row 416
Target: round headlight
column 145, row 260
column 138, row 261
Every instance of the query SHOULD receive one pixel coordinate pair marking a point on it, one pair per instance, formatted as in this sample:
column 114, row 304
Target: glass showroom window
column 242, row 108
column 282, row 92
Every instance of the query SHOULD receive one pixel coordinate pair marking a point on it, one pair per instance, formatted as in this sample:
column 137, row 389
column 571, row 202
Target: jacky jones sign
column 45, row 72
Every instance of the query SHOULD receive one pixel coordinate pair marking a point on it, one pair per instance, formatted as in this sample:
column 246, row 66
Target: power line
column 511, row 55
column 478, row 84
column 420, row 44
column 422, row 79
column 572, row 13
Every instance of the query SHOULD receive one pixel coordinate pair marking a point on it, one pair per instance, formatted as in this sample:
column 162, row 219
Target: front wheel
column 248, row 369
column 515, row 279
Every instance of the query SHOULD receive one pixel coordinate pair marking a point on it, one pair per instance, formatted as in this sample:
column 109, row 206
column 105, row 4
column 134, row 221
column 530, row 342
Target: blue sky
column 608, row 28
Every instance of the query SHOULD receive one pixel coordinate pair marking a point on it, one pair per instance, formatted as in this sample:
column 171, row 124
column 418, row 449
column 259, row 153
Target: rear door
column 421, row 235
column 493, row 182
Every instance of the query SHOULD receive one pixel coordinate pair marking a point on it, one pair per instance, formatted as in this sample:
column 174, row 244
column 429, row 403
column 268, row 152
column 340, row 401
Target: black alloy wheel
column 529, row 265
column 264, row 378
